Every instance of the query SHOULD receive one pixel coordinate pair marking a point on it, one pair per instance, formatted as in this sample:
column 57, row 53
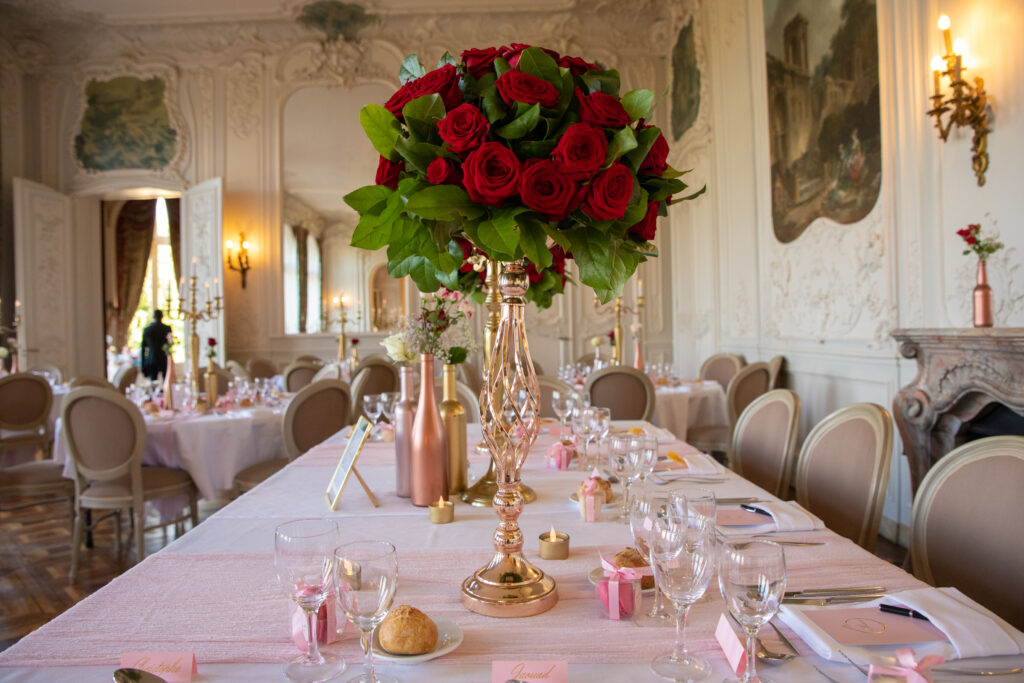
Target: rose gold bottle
column 405, row 413
column 429, row 443
column 982, row 298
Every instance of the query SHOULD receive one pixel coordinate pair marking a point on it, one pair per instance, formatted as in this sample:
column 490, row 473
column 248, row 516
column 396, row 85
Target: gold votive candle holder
column 554, row 545
column 442, row 512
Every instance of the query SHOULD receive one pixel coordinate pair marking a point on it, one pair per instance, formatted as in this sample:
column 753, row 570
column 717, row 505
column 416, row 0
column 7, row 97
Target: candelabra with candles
column 618, row 308
column 193, row 315
column 342, row 320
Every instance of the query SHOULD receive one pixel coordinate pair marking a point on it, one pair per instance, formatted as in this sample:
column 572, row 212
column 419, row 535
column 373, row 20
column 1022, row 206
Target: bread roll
column 407, row 631
column 630, row 557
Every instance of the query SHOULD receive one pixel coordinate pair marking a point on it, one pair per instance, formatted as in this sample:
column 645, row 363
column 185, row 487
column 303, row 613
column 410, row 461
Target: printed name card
column 170, row 666
column 528, row 672
column 732, row 645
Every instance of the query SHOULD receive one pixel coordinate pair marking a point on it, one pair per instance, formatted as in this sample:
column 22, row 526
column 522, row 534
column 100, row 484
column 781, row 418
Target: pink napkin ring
column 618, row 600
column 560, row 455
column 910, row 669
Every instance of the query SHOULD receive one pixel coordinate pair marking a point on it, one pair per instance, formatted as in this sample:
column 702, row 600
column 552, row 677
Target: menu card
column 872, row 626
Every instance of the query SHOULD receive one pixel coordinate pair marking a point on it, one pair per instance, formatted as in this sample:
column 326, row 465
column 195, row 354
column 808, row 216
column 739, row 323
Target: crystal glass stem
column 750, row 675
column 366, row 640
column 679, row 651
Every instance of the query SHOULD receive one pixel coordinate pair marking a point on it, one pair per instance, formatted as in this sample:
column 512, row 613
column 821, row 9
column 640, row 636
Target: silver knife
column 736, row 501
column 833, row 600
column 819, row 592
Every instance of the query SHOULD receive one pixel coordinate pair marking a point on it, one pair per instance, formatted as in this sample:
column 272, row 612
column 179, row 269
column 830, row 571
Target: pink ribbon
column 589, row 488
column 559, row 456
column 910, row 669
column 613, row 575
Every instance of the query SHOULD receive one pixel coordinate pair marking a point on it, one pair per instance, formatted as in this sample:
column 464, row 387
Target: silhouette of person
column 154, row 337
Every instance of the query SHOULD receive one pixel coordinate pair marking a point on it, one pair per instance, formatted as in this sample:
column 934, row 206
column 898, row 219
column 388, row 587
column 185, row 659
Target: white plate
column 612, row 503
column 449, row 637
column 597, row 573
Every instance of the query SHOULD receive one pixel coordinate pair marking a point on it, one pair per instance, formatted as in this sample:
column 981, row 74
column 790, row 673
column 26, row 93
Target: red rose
column 463, row 128
column 576, row 65
column 479, row 61
column 532, row 273
column 443, row 171
column 491, row 174
column 211, row 341
column 581, row 150
column 443, row 81
column 545, row 188
column 972, row 239
column 511, row 54
column 602, row 110
column 609, row 193
column 387, row 173
column 519, row 87
column 644, row 230
column 656, row 160
column 963, row 233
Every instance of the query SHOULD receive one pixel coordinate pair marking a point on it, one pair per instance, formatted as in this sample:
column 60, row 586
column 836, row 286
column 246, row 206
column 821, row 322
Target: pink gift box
column 327, row 630
column 560, row 455
column 620, row 591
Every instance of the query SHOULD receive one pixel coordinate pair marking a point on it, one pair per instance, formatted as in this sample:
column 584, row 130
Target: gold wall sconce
column 966, row 105
column 239, row 256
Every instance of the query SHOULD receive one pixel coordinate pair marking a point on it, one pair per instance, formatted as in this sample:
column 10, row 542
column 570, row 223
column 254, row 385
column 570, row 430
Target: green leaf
column 501, row 65
column 559, row 237
column 521, row 126
column 368, row 199
column 660, row 188
column 638, row 103
column 602, row 81
column 374, row 232
column 382, row 128
column 637, row 208
column 457, row 355
column 535, row 242
column 421, row 116
column 536, row 62
column 623, row 141
column 490, row 98
column 406, row 236
column 644, row 141
column 411, row 69
column 605, row 264
column 446, row 58
column 499, row 234
column 535, row 149
column 419, row 154
column 443, row 202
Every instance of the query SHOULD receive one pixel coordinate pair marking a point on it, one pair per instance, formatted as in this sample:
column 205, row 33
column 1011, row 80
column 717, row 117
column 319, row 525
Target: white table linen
column 690, row 404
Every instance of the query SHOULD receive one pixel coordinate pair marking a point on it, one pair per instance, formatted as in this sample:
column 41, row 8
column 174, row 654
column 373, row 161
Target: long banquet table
column 214, row 592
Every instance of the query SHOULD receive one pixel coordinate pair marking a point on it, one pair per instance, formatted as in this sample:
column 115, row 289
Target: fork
column 961, row 672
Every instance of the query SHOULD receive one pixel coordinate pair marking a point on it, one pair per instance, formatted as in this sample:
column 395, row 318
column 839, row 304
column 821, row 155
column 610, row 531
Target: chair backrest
column 25, row 401
column 466, row 397
column 627, row 392
column 721, row 367
column 469, row 374
column 548, row 384
column 315, row 413
column 261, row 368
column 299, row 374
column 86, row 380
column 749, row 383
column 375, row 375
column 237, row 369
column 775, row 371
column 843, row 469
column 125, row 377
column 764, row 441
column 328, row 371
column 965, row 529
column 315, row 360
column 586, row 359
column 105, row 435
column 54, row 374
column 537, row 369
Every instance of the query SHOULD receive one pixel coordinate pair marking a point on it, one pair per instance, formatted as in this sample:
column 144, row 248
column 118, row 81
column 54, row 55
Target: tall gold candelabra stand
column 481, row 494
column 193, row 315
column 509, row 585
column 618, row 308
column 342, row 321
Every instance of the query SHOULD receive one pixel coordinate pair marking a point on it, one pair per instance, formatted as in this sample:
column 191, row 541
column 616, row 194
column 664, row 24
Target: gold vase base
column 509, row 587
column 481, row 494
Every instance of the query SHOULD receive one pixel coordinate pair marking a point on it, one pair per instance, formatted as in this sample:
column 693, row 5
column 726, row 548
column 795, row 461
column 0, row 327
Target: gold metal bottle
column 211, row 385
column 453, row 414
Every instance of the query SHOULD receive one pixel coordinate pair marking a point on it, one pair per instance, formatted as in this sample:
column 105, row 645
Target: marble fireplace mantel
column 960, row 373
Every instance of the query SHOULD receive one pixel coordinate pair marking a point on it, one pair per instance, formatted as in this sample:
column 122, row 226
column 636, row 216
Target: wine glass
column 643, row 450
column 365, row 578
column 700, row 502
column 602, row 426
column 582, row 428
column 682, row 557
column 373, row 406
column 303, row 552
column 752, row 576
column 561, row 404
column 390, row 401
column 646, row 505
column 622, row 468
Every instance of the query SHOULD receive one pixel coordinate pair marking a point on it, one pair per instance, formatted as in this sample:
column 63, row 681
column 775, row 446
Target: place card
column 347, row 463
column 170, row 666
column 511, row 672
column 730, row 517
column 872, row 626
column 733, row 646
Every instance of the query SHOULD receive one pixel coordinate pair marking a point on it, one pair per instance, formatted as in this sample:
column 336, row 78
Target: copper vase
column 982, row 298
column 638, row 358
column 429, row 453
column 169, row 384
column 405, row 413
column 453, row 414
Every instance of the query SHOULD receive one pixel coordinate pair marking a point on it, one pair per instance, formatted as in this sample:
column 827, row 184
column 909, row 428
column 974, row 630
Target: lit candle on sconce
column 937, row 73
column 639, row 288
column 944, row 27
column 442, row 512
column 194, row 260
column 554, row 545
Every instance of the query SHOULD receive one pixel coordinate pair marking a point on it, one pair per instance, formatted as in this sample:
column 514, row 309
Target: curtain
column 134, row 241
column 290, row 267
column 174, row 227
column 303, row 259
column 313, row 293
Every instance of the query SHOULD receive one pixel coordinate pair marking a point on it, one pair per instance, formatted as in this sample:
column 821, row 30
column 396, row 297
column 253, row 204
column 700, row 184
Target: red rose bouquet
column 514, row 153
column 983, row 247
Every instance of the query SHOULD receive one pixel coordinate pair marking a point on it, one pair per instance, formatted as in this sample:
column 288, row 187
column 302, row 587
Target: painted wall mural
column 336, row 19
column 823, row 111
column 685, row 82
column 126, row 125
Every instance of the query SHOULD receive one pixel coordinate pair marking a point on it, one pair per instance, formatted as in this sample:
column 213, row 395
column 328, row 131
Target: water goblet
column 644, row 449
column 303, row 558
column 365, row 578
column 372, row 407
column 561, row 404
column 645, row 508
column 752, row 576
column 682, row 557
column 622, row 468
column 390, row 401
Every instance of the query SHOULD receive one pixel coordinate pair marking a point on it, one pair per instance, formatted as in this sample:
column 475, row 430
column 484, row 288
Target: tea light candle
column 554, row 545
column 442, row 512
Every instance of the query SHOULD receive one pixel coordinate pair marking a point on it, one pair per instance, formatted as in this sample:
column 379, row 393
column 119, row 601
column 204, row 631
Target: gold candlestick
column 617, row 309
column 343, row 319
column 193, row 315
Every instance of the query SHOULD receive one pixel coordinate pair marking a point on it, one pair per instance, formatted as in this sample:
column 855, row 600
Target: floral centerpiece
column 441, row 329
column 514, row 153
column 983, row 247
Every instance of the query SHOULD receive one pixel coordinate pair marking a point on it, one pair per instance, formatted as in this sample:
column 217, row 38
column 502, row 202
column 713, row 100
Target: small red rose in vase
column 983, row 247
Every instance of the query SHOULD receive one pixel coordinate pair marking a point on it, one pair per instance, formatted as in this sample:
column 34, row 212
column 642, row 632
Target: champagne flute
column 365, row 577
column 752, row 576
column 303, row 560
column 682, row 557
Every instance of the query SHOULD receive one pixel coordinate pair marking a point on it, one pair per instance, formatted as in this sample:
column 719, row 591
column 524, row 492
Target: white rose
column 397, row 349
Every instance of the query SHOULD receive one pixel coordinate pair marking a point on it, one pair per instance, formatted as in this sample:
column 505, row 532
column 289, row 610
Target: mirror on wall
column 325, row 155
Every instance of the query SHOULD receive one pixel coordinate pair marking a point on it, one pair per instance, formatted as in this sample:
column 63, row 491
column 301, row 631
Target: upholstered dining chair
column 319, row 410
column 965, row 528
column 469, row 400
column 299, row 374
column 224, row 379
column 548, row 384
column 764, row 441
column 105, row 436
column 125, row 377
column 843, row 469
column 375, row 375
column 627, row 392
column 586, row 359
column 261, row 368
column 54, row 374
column 749, row 383
column 87, row 380
column 722, row 367
column 328, row 371
column 25, row 401
column 469, row 374
column 237, row 369
column 775, row 366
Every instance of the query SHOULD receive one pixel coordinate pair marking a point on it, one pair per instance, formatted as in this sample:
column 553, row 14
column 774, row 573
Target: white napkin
column 973, row 630
column 786, row 516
